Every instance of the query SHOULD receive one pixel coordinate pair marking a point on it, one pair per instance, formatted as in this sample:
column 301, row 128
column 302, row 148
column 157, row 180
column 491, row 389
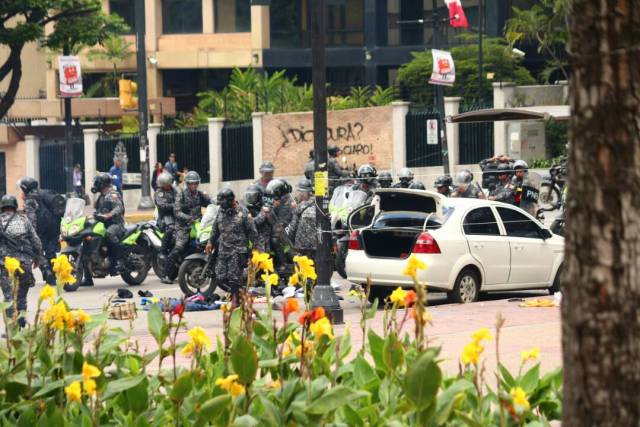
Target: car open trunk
column 389, row 243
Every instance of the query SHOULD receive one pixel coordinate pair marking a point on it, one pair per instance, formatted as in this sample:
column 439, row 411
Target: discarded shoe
column 124, row 293
column 146, row 294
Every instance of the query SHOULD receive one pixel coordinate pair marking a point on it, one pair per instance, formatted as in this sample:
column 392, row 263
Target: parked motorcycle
column 158, row 259
column 86, row 247
column 552, row 185
column 557, row 226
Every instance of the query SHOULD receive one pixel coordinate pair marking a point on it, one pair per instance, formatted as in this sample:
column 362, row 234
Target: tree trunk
column 15, row 66
column 601, row 286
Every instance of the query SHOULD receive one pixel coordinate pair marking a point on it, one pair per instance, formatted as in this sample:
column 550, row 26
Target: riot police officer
column 504, row 190
column 385, row 180
column 417, row 185
column 366, row 180
column 465, row 187
column 266, row 174
column 303, row 227
column 231, row 234
column 18, row 239
column 405, row 177
column 165, row 199
column 253, row 200
column 187, row 210
column 310, row 167
column 335, row 171
column 443, row 184
column 110, row 211
column 280, row 211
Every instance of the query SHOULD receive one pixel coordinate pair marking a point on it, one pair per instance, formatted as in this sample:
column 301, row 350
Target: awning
column 545, row 112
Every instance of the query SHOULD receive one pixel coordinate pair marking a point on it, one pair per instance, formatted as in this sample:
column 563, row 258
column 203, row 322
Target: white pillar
column 451, row 108
column 152, row 139
column 90, row 140
column 215, row 153
column 398, row 121
column 256, row 119
column 503, row 94
column 32, row 154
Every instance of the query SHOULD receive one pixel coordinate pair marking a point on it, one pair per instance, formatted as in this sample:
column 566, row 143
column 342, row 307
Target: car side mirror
column 545, row 234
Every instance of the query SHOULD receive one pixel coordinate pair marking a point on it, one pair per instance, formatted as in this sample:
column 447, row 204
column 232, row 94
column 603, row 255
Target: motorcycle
column 344, row 201
column 158, row 259
column 85, row 246
column 196, row 273
column 552, row 186
column 557, row 226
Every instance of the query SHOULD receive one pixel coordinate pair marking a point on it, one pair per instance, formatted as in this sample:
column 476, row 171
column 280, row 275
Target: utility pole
column 68, row 135
column 480, row 52
column 141, row 59
column 323, row 294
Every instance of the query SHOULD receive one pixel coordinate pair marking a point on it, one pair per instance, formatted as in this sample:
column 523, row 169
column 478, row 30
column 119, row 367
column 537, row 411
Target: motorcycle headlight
column 75, row 228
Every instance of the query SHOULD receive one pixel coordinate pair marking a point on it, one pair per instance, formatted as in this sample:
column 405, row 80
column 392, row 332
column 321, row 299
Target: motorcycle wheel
column 140, row 257
column 77, row 273
column 157, row 263
column 549, row 197
column 189, row 278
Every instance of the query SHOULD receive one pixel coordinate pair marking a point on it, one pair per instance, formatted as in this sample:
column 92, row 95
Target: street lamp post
column 141, row 58
column 68, row 135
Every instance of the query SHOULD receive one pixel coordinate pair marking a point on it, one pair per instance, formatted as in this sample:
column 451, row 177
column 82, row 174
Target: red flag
column 457, row 17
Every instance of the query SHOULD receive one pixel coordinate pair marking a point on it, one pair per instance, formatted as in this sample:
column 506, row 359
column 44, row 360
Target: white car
column 469, row 245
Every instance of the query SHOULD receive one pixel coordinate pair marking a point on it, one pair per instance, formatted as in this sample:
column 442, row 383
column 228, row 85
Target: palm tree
column 115, row 49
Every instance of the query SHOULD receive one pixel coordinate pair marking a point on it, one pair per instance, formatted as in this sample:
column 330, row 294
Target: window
column 518, row 225
column 181, row 16
column 345, row 23
column 126, row 10
column 481, row 221
column 233, row 16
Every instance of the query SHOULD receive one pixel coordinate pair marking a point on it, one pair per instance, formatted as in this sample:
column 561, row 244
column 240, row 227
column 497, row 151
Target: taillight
column 426, row 244
column 354, row 241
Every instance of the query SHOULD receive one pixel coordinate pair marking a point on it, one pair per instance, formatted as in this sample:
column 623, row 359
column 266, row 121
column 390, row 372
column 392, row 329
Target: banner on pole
column 432, row 132
column 444, row 71
column 70, row 76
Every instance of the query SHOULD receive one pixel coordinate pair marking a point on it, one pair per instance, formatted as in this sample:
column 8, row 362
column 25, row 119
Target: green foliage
column 545, row 24
column 413, row 77
column 113, row 49
column 556, row 137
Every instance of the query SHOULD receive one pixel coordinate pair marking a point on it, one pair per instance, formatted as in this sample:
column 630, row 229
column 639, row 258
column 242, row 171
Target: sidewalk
column 133, row 216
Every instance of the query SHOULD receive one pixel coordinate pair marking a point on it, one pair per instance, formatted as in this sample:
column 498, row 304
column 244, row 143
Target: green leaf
column 182, row 387
column 364, row 375
column 509, row 381
column 268, row 364
column 376, row 344
column 529, row 381
column 49, row 387
column 392, row 352
column 448, row 399
column 213, row 408
column 28, row 418
column 246, row 421
column 141, row 421
column 118, row 386
column 244, row 360
column 333, row 399
column 351, row 416
column 157, row 325
column 371, row 311
column 422, row 381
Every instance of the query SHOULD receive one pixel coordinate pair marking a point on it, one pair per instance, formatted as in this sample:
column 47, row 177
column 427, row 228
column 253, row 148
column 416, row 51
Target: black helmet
column 443, row 181
column 464, row 178
column 367, row 174
column 277, row 188
column 417, row 185
column 385, row 179
column 266, row 167
column 28, row 184
column 405, row 175
column 165, row 178
column 192, row 177
column 226, row 198
column 304, row 185
column 503, row 168
column 8, row 201
column 100, row 181
column 520, row 164
column 253, row 195
column 333, row 150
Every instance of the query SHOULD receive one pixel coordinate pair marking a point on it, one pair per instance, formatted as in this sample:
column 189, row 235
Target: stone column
column 451, row 108
column 503, row 94
column 215, row 152
column 32, row 156
column 256, row 119
column 260, row 27
column 398, row 119
column 152, row 136
column 207, row 16
column 90, row 140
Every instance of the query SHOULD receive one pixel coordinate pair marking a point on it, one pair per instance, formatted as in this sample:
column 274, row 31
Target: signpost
column 70, row 77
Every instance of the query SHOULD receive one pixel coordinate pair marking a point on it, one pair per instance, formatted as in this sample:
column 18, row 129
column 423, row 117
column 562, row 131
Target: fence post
column 152, row 137
column 502, row 96
column 215, row 152
column 32, row 154
column 451, row 108
column 256, row 119
column 90, row 140
column 399, row 124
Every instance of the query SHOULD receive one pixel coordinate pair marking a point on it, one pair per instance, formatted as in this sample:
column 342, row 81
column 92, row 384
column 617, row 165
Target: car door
column 531, row 256
column 486, row 244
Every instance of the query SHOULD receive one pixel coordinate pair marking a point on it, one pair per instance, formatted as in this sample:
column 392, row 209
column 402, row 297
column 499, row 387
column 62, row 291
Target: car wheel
column 379, row 292
column 556, row 282
column 466, row 288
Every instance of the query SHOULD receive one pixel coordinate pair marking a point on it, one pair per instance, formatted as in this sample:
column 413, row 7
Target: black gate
column 3, row 174
column 52, row 163
column 191, row 147
column 237, row 151
column 419, row 152
column 106, row 149
column 476, row 139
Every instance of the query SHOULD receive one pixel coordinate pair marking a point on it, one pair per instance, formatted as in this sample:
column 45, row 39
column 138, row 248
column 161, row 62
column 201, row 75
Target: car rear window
column 407, row 220
column 406, row 202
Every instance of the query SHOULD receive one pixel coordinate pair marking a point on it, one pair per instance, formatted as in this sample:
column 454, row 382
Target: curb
column 132, row 218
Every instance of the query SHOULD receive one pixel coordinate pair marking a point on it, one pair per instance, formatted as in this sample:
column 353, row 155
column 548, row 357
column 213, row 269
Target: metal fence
column 419, row 153
column 110, row 147
column 237, row 151
column 52, row 163
column 476, row 139
column 191, row 147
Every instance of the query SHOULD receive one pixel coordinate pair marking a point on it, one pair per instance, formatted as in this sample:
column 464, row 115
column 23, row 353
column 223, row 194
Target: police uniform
column 111, row 203
column 335, row 173
column 232, row 232
column 402, row 184
column 303, row 229
column 47, row 227
column 503, row 192
column 262, row 184
column 264, row 228
column 20, row 230
column 165, row 201
column 472, row 192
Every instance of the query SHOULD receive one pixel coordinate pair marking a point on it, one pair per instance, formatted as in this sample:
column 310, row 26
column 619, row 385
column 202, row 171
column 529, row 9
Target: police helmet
column 333, row 150
column 503, row 168
column 464, row 177
column 266, row 167
column 385, row 179
column 417, row 185
column 405, row 175
column 277, row 188
column 304, row 185
column 443, row 181
column 367, row 173
column 192, row 177
column 226, row 198
column 28, row 184
column 520, row 164
column 101, row 181
column 8, row 201
column 253, row 195
column 165, row 178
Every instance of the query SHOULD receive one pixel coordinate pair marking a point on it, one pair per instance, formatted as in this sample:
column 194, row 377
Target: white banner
column 432, row 132
column 444, row 71
column 70, row 76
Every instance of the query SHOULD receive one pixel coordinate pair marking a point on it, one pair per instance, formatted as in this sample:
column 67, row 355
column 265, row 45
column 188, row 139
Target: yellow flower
column 90, row 371
column 231, row 385
column 270, row 279
column 275, row 385
column 70, row 320
column 73, row 391
column 237, row 389
column 532, row 355
column 294, row 280
column 289, row 343
column 188, row 349
column 412, row 266
column 481, row 334
column 82, row 317
column 398, row 296
column 63, row 270
column 306, row 267
column 308, row 349
column 47, row 293
column 12, row 265
column 56, row 315
column 471, row 353
column 262, row 261
column 519, row 399
column 199, row 337
column 89, row 387
column 321, row 327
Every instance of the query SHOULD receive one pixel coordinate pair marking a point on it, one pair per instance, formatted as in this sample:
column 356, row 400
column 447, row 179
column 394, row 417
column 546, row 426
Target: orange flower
column 291, row 306
column 312, row 316
column 410, row 298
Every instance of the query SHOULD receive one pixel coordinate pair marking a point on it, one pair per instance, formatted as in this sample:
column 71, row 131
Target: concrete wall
column 16, row 163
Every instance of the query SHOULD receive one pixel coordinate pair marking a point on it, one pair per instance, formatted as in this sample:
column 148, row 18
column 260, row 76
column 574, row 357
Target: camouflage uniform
column 48, row 229
column 336, row 173
column 280, row 218
column 262, row 184
column 472, row 192
column 264, row 227
column 111, row 203
column 303, row 229
column 232, row 232
column 165, row 201
column 19, row 229
column 503, row 192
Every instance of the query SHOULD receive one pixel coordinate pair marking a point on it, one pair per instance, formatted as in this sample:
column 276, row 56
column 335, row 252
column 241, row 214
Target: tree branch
column 16, row 74
column 68, row 14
